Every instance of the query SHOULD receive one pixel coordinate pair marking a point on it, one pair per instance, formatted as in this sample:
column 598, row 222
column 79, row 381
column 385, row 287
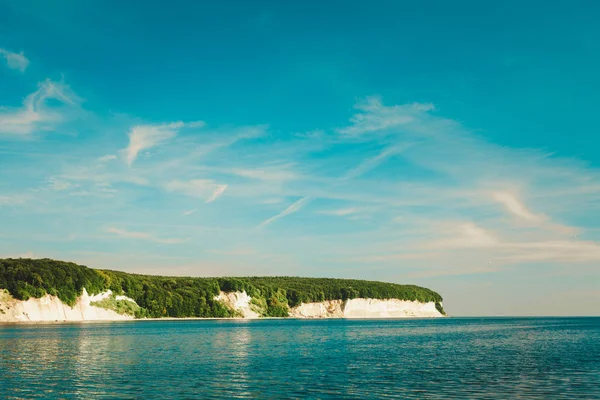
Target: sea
column 449, row 358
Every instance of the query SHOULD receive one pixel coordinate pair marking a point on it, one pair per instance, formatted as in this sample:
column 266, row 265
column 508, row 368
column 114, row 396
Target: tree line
column 161, row 296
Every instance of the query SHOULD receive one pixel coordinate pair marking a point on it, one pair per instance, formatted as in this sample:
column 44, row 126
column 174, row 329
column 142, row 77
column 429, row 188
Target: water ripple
column 504, row 358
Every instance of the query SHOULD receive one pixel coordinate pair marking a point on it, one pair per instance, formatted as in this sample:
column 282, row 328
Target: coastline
column 237, row 319
column 88, row 308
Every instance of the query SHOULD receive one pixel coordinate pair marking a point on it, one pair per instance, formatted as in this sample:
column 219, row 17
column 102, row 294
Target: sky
column 453, row 145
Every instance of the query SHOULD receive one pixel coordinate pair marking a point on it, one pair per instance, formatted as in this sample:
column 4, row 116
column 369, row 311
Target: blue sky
column 453, row 146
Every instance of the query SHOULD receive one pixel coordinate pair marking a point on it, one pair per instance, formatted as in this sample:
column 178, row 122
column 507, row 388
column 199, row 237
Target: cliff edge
column 50, row 290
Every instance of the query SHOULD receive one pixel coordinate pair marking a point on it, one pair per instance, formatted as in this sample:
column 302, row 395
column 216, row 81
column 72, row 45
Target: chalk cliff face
column 240, row 302
column 51, row 308
column 366, row 308
column 354, row 308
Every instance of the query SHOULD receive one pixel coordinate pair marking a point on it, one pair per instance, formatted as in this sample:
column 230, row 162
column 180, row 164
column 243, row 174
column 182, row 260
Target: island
column 37, row 290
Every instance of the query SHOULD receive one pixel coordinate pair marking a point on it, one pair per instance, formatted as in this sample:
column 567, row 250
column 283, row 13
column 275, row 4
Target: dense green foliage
column 26, row 278
column 120, row 306
column 160, row 296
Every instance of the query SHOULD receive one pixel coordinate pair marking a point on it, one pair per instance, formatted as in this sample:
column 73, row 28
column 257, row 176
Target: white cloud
column 272, row 200
column 190, row 212
column 374, row 116
column 281, row 172
column 196, row 124
column 201, row 188
column 12, row 200
column 516, row 207
column 217, row 192
column 142, row 137
column 59, row 185
column 36, row 114
column 146, row 136
column 277, row 174
column 373, row 162
column 568, row 251
column 461, row 247
column 107, row 158
column 465, row 235
column 342, row 212
column 144, row 236
column 291, row 209
column 15, row 60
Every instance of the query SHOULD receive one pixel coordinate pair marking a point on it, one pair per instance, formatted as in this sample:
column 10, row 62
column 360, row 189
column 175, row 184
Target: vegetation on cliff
column 161, row 296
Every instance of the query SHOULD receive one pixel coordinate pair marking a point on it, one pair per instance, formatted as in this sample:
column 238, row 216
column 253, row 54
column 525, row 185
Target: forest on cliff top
column 164, row 296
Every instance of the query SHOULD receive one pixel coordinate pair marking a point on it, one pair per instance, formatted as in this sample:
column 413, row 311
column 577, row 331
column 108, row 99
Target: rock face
column 354, row 308
column 240, row 302
column 51, row 308
column 366, row 308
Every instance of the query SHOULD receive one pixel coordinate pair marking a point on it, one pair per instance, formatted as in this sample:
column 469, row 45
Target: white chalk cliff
column 354, row 308
column 240, row 302
column 51, row 308
column 366, row 308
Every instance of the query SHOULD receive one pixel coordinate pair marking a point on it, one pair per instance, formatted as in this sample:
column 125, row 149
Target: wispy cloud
column 202, row 188
column 11, row 200
column 341, row 212
column 373, row 162
column 144, row 137
column 59, row 185
column 462, row 246
column 463, row 201
column 277, row 174
column 37, row 114
column 272, row 200
column 373, row 116
column 107, row 158
column 15, row 60
column 144, row 236
column 217, row 192
column 297, row 205
column 464, row 235
column 512, row 204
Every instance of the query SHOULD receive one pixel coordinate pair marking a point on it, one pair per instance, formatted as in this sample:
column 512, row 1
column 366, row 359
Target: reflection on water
column 451, row 358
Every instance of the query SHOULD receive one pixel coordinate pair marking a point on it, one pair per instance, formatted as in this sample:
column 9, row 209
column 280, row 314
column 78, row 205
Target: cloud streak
column 125, row 234
column 147, row 136
column 16, row 61
column 294, row 207
column 371, row 163
column 37, row 114
column 373, row 116
column 143, row 137
column 201, row 188
column 342, row 212
column 513, row 205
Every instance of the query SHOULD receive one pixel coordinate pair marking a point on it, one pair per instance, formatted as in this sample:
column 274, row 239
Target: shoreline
column 57, row 322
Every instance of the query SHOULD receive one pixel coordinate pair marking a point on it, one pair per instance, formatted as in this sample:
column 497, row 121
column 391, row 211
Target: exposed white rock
column 366, row 308
column 238, row 301
column 51, row 308
column 324, row 309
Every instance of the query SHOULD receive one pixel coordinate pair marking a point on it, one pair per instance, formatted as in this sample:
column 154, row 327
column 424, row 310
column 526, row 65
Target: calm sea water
column 461, row 358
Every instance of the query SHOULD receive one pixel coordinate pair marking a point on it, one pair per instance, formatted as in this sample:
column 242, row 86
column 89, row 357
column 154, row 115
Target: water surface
column 461, row 358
